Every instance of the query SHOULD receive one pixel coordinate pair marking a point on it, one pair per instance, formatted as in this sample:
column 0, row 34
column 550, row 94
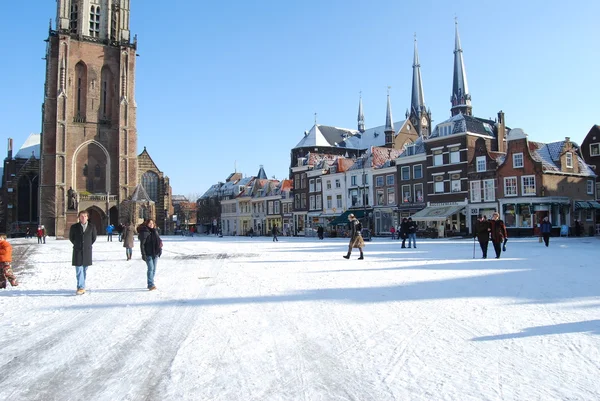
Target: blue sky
column 234, row 84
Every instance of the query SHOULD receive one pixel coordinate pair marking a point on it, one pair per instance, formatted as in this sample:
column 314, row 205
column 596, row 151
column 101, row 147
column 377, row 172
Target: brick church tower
column 89, row 137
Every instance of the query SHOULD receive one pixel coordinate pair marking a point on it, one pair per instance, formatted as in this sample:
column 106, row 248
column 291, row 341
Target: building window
column 475, row 191
column 439, row 187
column 590, row 187
column 391, row 195
column 389, row 179
column 380, row 197
column 595, row 149
column 319, row 185
column 338, row 201
column 311, row 200
column 353, row 180
column 510, row 186
column 438, row 158
column 528, row 185
column 569, row 159
column 456, row 187
column 517, row 160
column 276, row 204
column 354, row 197
column 296, row 181
column 405, row 173
column 406, row 194
column 481, row 164
column 311, row 185
column 489, row 193
column 417, row 171
column 95, row 21
column 270, row 207
column 150, row 184
column 297, row 203
column 379, row 181
column 303, row 201
column 319, row 201
column 454, row 155
column 418, row 192
column 328, row 185
column 338, row 184
column 329, row 201
column 303, row 182
column 365, row 179
column 74, row 18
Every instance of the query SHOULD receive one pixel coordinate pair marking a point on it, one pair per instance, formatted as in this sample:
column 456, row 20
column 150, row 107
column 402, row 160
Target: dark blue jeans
column 151, row 262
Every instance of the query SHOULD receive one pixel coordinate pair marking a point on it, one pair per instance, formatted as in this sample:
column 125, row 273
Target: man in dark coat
column 482, row 231
column 82, row 235
column 404, row 231
column 151, row 247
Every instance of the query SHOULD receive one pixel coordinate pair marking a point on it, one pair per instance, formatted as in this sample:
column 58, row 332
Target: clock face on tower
column 424, row 122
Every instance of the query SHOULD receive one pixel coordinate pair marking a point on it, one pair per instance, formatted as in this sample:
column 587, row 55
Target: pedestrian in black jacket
column 82, row 235
column 151, row 247
column 482, row 232
column 404, row 229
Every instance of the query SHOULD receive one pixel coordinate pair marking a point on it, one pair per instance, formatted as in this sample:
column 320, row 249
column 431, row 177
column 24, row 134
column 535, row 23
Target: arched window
column 150, row 184
column 27, row 198
column 95, row 21
column 80, row 92
column 74, row 18
column 106, row 94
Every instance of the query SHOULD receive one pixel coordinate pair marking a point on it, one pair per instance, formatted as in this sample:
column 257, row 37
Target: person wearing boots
column 412, row 233
column 482, row 232
column 498, row 233
column 546, row 228
column 356, row 239
column 404, row 231
column 128, row 238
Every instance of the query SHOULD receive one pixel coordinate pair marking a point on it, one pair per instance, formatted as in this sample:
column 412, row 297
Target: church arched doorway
column 97, row 218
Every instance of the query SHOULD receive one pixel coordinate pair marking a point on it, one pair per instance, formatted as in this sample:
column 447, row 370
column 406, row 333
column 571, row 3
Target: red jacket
column 5, row 251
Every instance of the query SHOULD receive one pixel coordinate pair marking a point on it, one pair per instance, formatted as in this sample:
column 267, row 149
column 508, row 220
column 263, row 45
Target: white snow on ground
column 249, row 319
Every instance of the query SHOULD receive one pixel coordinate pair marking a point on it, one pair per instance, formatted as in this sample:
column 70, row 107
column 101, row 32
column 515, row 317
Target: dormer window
column 569, row 159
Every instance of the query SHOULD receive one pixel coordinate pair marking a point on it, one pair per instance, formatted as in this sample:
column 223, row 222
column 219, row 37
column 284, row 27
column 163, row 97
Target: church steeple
column 461, row 98
column 106, row 20
column 419, row 116
column 361, row 116
column 389, row 123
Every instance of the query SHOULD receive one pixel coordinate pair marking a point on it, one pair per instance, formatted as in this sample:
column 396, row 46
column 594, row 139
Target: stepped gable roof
column 31, row 147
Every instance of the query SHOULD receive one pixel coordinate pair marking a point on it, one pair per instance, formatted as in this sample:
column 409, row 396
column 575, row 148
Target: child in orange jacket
column 6, row 272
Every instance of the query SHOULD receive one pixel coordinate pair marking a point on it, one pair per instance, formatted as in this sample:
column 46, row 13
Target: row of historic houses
column 443, row 176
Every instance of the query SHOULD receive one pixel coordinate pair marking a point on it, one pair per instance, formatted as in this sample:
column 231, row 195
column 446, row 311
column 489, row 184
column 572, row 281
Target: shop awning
column 343, row 218
column 594, row 204
column 581, row 205
column 437, row 213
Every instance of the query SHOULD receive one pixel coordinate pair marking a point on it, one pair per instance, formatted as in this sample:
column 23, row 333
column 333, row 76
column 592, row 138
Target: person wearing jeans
column 151, row 247
column 82, row 235
column 412, row 233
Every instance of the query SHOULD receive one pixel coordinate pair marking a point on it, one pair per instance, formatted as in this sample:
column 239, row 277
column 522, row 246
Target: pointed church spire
column 361, row 115
column 461, row 97
column 417, row 104
column 389, row 122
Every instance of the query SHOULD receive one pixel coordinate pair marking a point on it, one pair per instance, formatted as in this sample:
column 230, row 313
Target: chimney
column 501, row 132
column 10, row 150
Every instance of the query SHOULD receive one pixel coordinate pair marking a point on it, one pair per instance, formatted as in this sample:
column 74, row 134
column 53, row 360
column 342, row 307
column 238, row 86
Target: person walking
column 6, row 273
column 127, row 237
column 356, row 239
column 412, row 232
column 109, row 232
column 546, row 228
column 151, row 247
column 482, row 232
column 404, row 231
column 393, row 232
column 274, row 232
column 497, row 233
column 82, row 235
column 44, row 233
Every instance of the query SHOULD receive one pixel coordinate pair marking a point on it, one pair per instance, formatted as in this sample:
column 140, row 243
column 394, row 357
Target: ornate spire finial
column 315, row 118
column 361, row 115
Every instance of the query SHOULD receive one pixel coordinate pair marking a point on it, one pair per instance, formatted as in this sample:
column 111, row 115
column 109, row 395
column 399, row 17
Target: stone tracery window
column 150, row 184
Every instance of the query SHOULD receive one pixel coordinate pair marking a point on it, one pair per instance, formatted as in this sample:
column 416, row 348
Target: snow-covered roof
column 212, row 191
column 324, row 135
column 415, row 148
column 549, row 155
column 461, row 123
column 31, row 146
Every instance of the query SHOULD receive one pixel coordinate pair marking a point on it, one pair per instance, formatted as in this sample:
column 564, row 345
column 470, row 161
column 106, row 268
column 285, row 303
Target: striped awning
column 594, row 204
column 581, row 205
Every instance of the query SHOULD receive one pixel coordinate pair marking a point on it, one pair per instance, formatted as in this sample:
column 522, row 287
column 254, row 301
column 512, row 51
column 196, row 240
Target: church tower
column 419, row 116
column 461, row 97
column 89, row 137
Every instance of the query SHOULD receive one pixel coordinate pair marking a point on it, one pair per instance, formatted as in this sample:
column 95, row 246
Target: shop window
column 525, row 216
column 510, row 219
